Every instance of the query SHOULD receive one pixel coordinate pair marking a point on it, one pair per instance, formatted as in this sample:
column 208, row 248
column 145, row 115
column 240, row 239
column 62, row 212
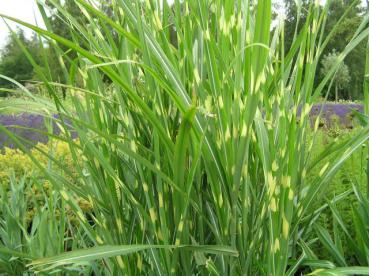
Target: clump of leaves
column 342, row 77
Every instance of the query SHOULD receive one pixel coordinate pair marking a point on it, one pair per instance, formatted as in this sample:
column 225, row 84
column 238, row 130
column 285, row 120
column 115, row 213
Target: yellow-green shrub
column 13, row 162
column 19, row 163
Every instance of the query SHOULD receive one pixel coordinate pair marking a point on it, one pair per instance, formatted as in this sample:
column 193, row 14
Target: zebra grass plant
column 192, row 149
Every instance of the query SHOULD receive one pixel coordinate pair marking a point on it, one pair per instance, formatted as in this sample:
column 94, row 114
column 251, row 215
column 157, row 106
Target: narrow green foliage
column 193, row 133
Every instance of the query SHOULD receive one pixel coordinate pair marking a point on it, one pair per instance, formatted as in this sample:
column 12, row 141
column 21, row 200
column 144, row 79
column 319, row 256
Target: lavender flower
column 333, row 113
column 23, row 126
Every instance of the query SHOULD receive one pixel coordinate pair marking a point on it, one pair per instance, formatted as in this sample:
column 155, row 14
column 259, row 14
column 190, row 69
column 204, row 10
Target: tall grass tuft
column 192, row 124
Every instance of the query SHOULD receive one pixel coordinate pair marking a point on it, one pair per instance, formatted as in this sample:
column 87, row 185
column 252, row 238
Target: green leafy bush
column 33, row 224
column 352, row 172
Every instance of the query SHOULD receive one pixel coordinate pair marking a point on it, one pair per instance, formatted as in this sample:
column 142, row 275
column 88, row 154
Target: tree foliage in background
column 13, row 62
column 58, row 24
column 61, row 56
column 342, row 77
column 355, row 61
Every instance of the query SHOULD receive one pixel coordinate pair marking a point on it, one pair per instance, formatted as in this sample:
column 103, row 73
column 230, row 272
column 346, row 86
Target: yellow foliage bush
column 19, row 163
column 15, row 162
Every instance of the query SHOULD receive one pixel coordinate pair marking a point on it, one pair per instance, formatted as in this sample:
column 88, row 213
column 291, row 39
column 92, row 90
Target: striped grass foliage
column 191, row 150
column 27, row 233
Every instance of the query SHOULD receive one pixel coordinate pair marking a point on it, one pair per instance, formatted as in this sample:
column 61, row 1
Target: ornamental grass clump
column 189, row 151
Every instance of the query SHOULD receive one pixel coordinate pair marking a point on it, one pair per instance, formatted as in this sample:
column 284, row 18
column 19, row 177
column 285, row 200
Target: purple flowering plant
column 27, row 127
